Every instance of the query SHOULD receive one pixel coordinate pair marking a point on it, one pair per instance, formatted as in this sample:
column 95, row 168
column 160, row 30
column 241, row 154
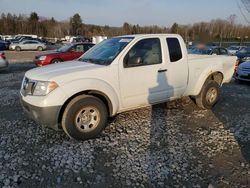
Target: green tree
column 174, row 28
column 34, row 17
column 75, row 25
column 33, row 23
column 126, row 28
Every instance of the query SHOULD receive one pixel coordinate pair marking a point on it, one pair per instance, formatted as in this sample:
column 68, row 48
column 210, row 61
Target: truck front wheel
column 84, row 117
column 209, row 95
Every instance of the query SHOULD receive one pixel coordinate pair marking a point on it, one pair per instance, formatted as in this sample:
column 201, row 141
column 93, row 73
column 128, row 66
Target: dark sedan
column 243, row 55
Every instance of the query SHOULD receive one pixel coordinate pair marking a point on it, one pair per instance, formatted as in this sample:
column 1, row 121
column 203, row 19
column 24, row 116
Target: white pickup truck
column 117, row 75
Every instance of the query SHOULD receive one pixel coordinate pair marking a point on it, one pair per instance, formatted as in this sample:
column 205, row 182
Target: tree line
column 215, row 30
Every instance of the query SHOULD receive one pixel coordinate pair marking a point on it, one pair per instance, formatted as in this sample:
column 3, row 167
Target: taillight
column 2, row 55
column 237, row 64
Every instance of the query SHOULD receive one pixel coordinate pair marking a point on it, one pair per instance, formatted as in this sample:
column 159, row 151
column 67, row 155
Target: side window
column 216, row 51
column 26, row 42
column 79, row 48
column 174, row 49
column 223, row 51
column 87, row 47
column 144, row 52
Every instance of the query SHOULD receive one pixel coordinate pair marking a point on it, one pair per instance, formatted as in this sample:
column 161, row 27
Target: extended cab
column 118, row 75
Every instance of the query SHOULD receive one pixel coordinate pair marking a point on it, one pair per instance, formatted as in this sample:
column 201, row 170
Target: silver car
column 28, row 45
column 243, row 72
column 3, row 62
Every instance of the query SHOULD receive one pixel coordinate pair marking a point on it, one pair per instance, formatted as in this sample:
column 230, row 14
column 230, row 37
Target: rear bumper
column 45, row 116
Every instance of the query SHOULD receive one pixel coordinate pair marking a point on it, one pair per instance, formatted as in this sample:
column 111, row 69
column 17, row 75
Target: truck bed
column 206, row 64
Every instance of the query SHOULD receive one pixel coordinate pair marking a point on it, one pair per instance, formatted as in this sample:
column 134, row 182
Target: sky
column 116, row 12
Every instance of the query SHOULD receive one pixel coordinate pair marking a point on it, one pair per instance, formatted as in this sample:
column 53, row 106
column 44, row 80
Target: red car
column 65, row 53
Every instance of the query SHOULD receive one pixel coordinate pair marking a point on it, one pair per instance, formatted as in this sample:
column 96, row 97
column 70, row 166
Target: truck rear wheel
column 209, row 95
column 84, row 117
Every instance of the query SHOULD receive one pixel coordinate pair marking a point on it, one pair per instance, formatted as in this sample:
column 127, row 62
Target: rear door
column 34, row 45
column 25, row 45
column 177, row 65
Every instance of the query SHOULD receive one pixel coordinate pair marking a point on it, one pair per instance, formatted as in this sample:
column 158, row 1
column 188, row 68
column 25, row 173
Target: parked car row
column 209, row 51
column 24, row 42
column 28, row 45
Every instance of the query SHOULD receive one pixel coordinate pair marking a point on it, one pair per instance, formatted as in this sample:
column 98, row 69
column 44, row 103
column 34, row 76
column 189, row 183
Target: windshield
column 105, row 52
column 65, row 48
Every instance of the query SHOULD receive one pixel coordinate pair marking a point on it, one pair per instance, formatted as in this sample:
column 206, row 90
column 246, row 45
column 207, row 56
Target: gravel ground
column 168, row 145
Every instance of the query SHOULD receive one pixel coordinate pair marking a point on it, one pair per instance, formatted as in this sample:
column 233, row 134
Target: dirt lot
column 169, row 145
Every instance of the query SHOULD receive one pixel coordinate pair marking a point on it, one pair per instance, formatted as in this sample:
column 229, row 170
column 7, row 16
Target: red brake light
column 237, row 64
column 2, row 55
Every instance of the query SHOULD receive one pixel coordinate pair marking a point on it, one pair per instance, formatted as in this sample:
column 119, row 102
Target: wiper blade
column 87, row 60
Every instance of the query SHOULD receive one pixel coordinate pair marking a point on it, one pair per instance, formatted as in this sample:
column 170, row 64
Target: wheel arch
column 216, row 76
column 54, row 58
column 100, row 95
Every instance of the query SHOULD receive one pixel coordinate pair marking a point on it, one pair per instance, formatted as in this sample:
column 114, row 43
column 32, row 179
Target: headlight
column 246, row 58
column 44, row 88
column 42, row 58
column 37, row 88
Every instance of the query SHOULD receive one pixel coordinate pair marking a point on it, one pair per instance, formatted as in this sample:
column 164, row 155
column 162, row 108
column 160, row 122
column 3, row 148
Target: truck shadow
column 233, row 112
column 159, row 140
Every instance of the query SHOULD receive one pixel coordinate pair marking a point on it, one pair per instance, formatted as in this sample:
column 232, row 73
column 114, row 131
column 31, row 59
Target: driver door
column 143, row 75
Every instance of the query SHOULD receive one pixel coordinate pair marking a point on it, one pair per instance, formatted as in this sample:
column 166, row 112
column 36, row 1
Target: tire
column 84, row 117
column 209, row 95
column 18, row 48
column 40, row 48
column 55, row 61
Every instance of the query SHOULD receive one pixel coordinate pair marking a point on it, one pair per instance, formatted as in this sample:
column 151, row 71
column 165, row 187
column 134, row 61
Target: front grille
column 246, row 70
column 245, row 77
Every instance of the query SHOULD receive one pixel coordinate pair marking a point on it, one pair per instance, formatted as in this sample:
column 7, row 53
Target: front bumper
column 242, row 76
column 41, row 63
column 45, row 116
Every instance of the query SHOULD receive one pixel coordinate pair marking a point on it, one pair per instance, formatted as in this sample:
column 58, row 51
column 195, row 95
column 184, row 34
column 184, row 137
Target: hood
column 63, row 71
column 242, row 55
column 245, row 65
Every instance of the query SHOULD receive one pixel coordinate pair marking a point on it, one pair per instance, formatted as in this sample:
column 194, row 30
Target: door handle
column 162, row 70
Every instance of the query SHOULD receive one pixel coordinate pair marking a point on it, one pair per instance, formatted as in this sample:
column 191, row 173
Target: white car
column 3, row 62
column 28, row 45
column 120, row 74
